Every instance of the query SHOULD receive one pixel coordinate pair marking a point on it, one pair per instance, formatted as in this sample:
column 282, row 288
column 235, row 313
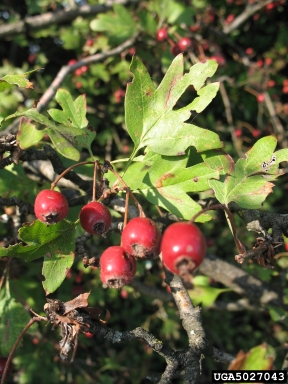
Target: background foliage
column 248, row 39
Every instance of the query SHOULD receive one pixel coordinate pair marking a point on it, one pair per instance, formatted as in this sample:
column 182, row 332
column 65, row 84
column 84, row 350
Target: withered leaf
column 79, row 302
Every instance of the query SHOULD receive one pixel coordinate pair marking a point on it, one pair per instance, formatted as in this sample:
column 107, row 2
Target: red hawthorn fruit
column 161, row 34
column 184, row 44
column 183, row 247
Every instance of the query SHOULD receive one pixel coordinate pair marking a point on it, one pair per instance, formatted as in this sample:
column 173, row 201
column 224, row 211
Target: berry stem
column 53, row 185
column 96, row 164
column 126, row 188
column 240, row 247
column 126, row 207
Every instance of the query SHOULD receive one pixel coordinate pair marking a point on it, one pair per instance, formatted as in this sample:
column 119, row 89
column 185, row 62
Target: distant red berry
column 249, row 51
column 256, row 133
column 229, row 18
column 78, row 72
column 268, row 61
column 161, row 34
column 194, row 28
column 72, row 62
column 270, row 83
column 259, row 63
column 184, row 44
column 84, row 68
column 220, row 59
column 31, row 58
column 119, row 94
column 238, row 132
column 175, row 50
column 3, row 361
column 260, row 98
column 132, row 51
column 270, row 6
column 89, row 42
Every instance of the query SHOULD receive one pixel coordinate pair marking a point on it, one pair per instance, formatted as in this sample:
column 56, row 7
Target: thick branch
column 240, row 281
column 34, row 23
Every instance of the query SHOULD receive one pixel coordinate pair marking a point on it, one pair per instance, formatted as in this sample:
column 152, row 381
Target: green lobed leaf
column 73, row 112
column 43, row 240
column 27, row 134
column 119, row 25
column 167, row 181
column 248, row 184
column 18, row 79
column 65, row 138
column 150, row 118
column 13, row 319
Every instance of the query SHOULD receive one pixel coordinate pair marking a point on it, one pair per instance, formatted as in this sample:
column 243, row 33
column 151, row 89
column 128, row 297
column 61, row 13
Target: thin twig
column 249, row 11
column 30, row 323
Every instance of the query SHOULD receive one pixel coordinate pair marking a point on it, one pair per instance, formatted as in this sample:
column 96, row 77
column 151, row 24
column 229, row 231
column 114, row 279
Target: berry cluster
column 182, row 246
column 182, row 45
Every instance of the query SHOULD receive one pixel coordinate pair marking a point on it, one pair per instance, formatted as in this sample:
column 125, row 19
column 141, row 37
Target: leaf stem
column 240, row 247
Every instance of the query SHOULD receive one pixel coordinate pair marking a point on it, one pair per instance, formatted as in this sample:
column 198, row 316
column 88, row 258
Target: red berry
column 175, row 50
column 268, row 61
column 184, row 43
column 229, row 18
column 260, row 98
column 3, row 361
column 116, row 267
column 256, row 133
column 119, row 94
column 238, row 132
column 141, row 238
column 270, row 83
column 89, row 335
column 95, row 218
column 84, row 68
column 219, row 58
column 249, row 51
column 78, row 72
column 259, row 63
column 50, row 206
column 72, row 62
column 161, row 34
column 183, row 247
column 89, row 42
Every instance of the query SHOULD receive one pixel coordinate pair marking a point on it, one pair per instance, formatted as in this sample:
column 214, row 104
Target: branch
column 50, row 92
column 240, row 281
column 248, row 12
column 64, row 71
column 34, row 23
